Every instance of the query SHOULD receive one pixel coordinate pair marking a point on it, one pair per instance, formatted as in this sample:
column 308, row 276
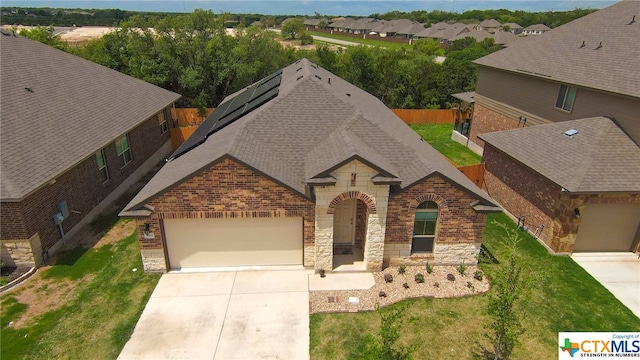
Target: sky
column 309, row 7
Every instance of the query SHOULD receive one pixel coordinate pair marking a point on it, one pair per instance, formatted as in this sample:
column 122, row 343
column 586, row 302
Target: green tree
column 384, row 346
column 292, row 28
column 510, row 289
column 306, row 38
column 44, row 35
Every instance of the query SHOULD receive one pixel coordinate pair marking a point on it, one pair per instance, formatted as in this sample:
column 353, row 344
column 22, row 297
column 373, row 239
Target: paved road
column 329, row 40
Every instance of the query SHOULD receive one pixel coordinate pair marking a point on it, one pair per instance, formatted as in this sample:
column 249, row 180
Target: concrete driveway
column 618, row 272
column 225, row 315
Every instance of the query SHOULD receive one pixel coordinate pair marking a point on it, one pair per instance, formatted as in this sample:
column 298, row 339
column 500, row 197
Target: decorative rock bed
column 386, row 293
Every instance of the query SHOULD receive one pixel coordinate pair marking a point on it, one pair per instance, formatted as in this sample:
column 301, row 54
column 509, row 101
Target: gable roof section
column 315, row 123
column 608, row 61
column 599, row 158
column 57, row 109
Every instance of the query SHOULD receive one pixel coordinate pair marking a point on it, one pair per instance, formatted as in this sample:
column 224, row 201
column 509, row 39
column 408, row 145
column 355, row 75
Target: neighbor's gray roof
column 491, row 23
column 311, row 127
column 558, row 55
column 513, row 26
column 538, row 27
column 465, row 96
column 599, row 158
column 74, row 108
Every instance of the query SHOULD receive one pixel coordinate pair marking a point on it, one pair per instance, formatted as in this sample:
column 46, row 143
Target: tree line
column 194, row 55
column 523, row 18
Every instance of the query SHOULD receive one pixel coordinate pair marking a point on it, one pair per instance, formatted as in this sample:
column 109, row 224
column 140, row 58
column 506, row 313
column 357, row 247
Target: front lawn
column 83, row 307
column 565, row 298
column 439, row 136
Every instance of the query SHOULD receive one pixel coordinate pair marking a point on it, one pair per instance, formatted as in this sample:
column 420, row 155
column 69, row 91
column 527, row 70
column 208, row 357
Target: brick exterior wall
column 458, row 223
column 525, row 193
column 485, row 121
column 227, row 189
column 521, row 191
column 80, row 187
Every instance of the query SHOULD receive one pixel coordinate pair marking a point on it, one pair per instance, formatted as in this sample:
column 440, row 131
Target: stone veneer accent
column 22, row 252
column 375, row 197
column 227, row 189
column 486, row 121
column 458, row 232
column 566, row 226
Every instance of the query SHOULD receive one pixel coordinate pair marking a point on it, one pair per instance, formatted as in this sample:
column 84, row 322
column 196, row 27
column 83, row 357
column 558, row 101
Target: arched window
column 424, row 227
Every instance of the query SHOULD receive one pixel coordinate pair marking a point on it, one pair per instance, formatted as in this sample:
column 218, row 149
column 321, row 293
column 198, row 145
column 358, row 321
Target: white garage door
column 608, row 227
column 233, row 242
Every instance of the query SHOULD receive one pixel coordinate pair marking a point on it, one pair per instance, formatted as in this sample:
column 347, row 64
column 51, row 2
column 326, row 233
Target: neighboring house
column 586, row 69
column 500, row 38
column 75, row 136
column 537, row 29
column 299, row 169
column 575, row 184
column 514, row 28
column 491, row 25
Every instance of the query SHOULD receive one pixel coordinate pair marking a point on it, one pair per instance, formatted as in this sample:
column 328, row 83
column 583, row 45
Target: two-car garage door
column 608, row 227
column 193, row 243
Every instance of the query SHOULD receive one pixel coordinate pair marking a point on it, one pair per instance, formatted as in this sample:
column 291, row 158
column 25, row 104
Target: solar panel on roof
column 232, row 110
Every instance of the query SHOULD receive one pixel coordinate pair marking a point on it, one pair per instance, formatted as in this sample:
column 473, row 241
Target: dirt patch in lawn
column 42, row 295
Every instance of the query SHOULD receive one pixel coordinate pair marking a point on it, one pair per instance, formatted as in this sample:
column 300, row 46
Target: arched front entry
column 350, row 216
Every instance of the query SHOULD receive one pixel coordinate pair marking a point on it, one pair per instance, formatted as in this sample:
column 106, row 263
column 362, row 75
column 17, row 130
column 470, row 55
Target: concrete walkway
column 232, row 315
column 618, row 272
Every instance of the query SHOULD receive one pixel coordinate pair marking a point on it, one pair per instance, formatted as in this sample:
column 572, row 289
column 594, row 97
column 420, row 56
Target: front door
column 344, row 222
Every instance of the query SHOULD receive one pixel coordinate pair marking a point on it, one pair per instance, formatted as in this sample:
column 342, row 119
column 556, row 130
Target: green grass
column 439, row 136
column 96, row 320
column 371, row 42
column 565, row 298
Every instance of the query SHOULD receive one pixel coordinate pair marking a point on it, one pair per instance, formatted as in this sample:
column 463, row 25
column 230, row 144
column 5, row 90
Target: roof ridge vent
column 571, row 133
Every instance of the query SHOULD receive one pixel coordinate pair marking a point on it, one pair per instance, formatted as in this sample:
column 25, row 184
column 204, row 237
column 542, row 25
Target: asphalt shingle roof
column 599, row 158
column 57, row 109
column 313, row 125
column 609, row 59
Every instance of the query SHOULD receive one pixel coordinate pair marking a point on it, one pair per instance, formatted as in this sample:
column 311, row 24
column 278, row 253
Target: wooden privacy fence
column 475, row 173
column 189, row 116
column 412, row 117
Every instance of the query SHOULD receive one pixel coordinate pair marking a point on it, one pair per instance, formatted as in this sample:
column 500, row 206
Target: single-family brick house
column 301, row 166
column 74, row 136
column 575, row 183
column 585, row 69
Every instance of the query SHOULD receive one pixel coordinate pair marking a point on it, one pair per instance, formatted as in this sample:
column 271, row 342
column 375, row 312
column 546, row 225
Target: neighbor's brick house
column 59, row 135
column 574, row 191
column 299, row 169
column 586, row 69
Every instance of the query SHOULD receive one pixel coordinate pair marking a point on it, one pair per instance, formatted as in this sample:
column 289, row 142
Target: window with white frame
column 123, row 149
column 101, row 159
column 162, row 121
column 424, row 228
column 566, row 97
